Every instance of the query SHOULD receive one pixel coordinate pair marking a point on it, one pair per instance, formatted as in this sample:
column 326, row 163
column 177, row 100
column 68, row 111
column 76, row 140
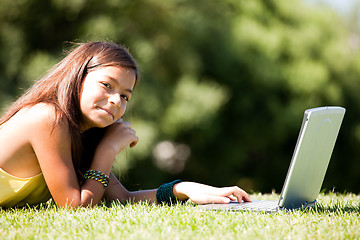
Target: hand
column 118, row 136
column 203, row 194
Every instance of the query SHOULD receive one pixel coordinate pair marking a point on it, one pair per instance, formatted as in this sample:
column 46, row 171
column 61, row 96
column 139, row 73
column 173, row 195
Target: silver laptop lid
column 311, row 157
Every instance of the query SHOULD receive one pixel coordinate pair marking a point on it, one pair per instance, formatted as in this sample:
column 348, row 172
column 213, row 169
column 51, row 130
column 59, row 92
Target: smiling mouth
column 108, row 112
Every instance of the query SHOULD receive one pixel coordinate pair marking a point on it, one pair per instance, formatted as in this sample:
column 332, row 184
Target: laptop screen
column 317, row 137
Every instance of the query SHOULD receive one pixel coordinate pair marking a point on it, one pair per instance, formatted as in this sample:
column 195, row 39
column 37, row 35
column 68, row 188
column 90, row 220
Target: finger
column 241, row 195
column 217, row 199
column 232, row 198
column 127, row 124
column 124, row 123
column 225, row 191
column 234, row 193
column 134, row 142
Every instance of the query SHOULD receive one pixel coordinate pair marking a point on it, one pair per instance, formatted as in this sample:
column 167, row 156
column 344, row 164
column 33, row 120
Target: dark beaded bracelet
column 97, row 176
column 165, row 194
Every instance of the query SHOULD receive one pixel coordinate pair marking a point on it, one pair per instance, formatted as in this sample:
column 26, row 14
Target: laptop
column 316, row 140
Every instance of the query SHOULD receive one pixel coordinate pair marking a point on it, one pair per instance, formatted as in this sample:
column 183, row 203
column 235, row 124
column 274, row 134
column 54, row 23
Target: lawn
column 337, row 217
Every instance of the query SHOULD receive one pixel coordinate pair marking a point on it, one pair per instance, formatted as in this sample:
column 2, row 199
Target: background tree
column 224, row 83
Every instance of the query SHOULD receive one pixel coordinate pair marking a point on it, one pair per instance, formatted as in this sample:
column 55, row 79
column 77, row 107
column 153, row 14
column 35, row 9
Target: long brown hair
column 62, row 86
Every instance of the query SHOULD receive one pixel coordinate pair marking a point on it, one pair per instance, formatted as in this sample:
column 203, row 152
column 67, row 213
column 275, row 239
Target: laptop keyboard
column 266, row 206
column 256, row 205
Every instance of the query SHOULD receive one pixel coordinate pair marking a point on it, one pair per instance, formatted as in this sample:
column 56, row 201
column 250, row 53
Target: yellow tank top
column 16, row 191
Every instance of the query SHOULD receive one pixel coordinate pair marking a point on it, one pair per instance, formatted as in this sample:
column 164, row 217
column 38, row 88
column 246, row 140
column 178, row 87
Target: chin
column 104, row 125
column 101, row 124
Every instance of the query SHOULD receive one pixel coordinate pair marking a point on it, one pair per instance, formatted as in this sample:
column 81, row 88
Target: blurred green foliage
column 224, row 83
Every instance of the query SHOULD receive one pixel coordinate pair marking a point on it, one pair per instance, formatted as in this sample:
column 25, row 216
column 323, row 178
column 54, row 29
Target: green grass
column 337, row 217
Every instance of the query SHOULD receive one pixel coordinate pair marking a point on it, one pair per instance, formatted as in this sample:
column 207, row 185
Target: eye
column 105, row 84
column 126, row 98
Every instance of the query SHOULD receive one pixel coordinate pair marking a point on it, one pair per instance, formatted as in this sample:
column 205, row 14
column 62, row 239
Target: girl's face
column 105, row 93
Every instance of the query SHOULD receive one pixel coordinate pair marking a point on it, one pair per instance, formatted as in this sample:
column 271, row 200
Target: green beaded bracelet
column 165, row 194
column 97, row 176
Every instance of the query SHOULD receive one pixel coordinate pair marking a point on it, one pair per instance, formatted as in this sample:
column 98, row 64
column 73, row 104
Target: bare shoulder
column 28, row 134
column 49, row 138
column 41, row 115
column 41, row 112
column 39, row 120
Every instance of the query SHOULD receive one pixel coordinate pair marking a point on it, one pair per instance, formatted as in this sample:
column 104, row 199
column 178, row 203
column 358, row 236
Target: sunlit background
column 224, row 83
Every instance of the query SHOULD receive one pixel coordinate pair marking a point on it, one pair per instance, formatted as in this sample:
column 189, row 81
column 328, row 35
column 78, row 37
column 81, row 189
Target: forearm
column 117, row 192
column 143, row 195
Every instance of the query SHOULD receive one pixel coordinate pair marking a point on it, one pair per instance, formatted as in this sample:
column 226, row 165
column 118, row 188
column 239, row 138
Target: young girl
column 61, row 137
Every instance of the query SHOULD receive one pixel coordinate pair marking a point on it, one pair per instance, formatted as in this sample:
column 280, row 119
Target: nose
column 115, row 100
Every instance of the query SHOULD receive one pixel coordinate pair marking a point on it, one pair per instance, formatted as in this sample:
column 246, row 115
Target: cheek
column 122, row 110
column 91, row 96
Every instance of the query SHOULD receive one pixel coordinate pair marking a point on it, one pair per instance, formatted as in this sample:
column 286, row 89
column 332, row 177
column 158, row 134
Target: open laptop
column 308, row 166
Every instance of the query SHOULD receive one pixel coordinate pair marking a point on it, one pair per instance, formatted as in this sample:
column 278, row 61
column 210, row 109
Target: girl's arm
column 196, row 192
column 203, row 194
column 116, row 191
column 52, row 147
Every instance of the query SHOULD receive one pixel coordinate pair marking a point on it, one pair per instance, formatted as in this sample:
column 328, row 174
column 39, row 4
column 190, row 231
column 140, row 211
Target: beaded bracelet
column 165, row 194
column 97, row 176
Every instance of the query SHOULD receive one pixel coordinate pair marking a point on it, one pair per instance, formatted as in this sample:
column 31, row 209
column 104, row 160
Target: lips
column 108, row 112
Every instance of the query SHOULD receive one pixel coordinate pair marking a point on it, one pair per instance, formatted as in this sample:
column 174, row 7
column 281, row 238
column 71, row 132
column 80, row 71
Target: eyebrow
column 129, row 90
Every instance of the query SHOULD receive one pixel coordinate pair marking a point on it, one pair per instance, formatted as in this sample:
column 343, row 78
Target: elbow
column 69, row 204
column 73, row 204
column 85, row 200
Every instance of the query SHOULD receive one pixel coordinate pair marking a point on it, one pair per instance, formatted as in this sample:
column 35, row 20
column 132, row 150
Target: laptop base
column 254, row 206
